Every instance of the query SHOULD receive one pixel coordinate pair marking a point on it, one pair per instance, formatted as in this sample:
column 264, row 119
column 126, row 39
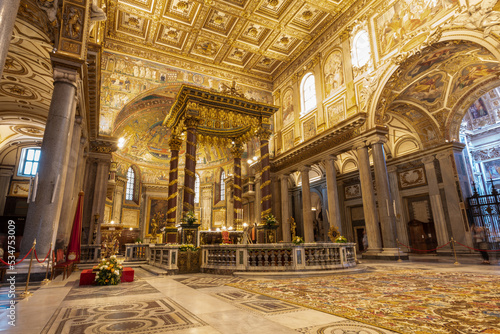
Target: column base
column 385, row 254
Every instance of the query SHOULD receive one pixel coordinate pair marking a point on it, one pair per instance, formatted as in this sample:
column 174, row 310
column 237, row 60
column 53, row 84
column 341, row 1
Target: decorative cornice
column 104, row 145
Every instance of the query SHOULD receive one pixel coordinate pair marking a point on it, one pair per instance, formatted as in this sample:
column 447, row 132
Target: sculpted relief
column 334, row 72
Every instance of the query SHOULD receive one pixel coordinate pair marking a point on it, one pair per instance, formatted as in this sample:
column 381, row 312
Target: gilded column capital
column 330, row 157
column 175, row 143
column 192, row 121
column 237, row 150
column 264, row 133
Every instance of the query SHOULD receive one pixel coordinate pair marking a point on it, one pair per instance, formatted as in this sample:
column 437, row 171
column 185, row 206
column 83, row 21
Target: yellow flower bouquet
column 109, row 272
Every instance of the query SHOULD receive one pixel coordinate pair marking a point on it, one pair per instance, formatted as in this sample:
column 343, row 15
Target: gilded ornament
column 252, row 32
column 219, row 19
column 273, row 3
column 182, row 5
column 284, row 40
column 307, row 15
column 172, row 34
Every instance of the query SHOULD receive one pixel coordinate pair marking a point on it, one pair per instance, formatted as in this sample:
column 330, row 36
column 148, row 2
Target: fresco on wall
column 471, row 74
column 406, row 16
column 434, row 58
column 288, row 114
column 478, row 109
column 492, row 169
column 428, row 89
column 334, row 72
column 310, row 128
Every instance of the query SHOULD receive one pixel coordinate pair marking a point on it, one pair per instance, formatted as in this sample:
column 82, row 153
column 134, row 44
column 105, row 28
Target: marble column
column 369, row 207
column 436, row 204
column 306, row 205
column 100, row 190
column 68, row 209
column 452, row 199
column 190, row 165
column 265, row 187
column 333, row 197
column 118, row 199
column 285, row 208
column 6, row 173
column 276, row 208
column 258, row 206
column 385, row 210
column 397, row 206
column 237, row 151
column 170, row 230
column 8, row 14
column 44, row 212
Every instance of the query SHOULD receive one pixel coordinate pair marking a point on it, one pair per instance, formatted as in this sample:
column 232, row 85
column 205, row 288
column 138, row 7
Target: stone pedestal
column 189, row 234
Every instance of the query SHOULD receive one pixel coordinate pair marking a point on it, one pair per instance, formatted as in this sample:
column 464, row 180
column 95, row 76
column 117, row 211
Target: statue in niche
column 334, row 73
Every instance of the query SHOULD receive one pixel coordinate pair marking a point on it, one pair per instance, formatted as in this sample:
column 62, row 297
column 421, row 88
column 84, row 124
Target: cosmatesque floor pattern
column 184, row 304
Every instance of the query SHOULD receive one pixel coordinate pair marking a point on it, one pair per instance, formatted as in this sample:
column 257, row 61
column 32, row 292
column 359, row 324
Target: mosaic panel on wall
column 288, row 140
column 309, row 128
column 288, row 114
column 334, row 72
column 336, row 112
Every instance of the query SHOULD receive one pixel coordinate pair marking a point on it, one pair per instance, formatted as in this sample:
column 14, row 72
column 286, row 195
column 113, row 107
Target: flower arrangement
column 340, row 240
column 270, row 220
column 189, row 217
column 109, row 271
column 298, row 240
column 186, row 247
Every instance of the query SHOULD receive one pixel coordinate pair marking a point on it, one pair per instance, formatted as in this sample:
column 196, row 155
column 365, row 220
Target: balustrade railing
column 90, row 253
column 279, row 257
column 163, row 256
column 135, row 252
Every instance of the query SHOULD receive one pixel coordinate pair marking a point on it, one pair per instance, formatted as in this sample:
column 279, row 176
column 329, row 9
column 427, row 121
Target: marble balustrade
column 278, row 257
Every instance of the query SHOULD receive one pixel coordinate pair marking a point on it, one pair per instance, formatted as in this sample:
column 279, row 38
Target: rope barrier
column 478, row 250
column 36, row 256
column 425, row 250
column 8, row 264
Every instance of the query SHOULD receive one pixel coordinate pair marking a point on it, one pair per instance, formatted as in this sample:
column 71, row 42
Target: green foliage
column 298, row 240
column 110, row 272
column 186, row 247
column 271, row 220
column 340, row 240
column 189, row 217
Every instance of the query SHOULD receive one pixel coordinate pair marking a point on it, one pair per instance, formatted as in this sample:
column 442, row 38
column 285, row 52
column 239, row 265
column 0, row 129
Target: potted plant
column 298, row 240
column 270, row 221
column 109, row 271
column 189, row 218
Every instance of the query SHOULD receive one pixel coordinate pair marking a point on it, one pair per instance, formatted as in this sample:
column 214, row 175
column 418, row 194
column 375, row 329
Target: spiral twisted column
column 265, row 187
column 190, row 167
column 237, row 152
column 175, row 144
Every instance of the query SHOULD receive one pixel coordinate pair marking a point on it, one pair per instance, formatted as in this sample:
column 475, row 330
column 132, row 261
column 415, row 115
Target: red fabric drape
column 76, row 232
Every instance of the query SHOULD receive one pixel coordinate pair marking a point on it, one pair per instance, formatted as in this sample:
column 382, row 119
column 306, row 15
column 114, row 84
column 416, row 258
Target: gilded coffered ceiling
column 254, row 37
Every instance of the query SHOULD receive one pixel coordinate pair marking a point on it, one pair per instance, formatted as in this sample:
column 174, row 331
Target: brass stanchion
column 26, row 293
column 46, row 280
column 454, row 251
column 399, row 253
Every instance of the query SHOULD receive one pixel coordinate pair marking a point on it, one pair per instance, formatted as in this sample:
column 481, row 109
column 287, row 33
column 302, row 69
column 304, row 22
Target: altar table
column 87, row 277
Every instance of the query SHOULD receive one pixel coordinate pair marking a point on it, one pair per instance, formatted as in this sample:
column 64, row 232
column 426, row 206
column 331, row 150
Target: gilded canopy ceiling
column 251, row 36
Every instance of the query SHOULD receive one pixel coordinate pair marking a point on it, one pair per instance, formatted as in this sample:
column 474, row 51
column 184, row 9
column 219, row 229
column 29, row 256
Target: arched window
column 28, row 163
column 129, row 194
column 222, row 186
column 361, row 51
column 308, row 93
column 197, row 189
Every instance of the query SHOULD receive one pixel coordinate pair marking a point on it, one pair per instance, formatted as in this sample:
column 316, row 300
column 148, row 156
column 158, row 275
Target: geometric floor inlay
column 122, row 289
column 153, row 316
column 344, row 327
column 262, row 304
column 209, row 282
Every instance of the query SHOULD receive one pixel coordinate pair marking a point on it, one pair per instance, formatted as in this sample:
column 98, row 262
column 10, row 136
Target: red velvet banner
column 76, row 233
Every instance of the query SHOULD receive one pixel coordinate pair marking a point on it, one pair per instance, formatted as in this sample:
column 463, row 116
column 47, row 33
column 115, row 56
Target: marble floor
column 195, row 304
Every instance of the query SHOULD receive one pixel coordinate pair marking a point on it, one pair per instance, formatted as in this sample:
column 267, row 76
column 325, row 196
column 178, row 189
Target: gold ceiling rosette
column 221, row 117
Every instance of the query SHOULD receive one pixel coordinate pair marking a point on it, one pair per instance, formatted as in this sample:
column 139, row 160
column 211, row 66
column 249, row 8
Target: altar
column 87, row 276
